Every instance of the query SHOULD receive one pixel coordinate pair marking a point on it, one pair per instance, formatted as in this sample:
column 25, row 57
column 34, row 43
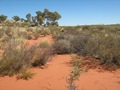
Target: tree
column 2, row 18
column 34, row 20
column 39, row 17
column 28, row 16
column 53, row 17
column 16, row 18
column 45, row 16
column 22, row 19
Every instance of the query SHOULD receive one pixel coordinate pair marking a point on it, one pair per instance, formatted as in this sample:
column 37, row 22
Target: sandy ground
column 53, row 76
column 46, row 38
column 94, row 80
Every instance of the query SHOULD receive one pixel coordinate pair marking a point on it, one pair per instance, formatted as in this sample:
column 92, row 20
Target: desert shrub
column 62, row 46
column 104, row 47
column 44, row 52
column 8, row 31
column 29, row 35
column 45, row 44
column 36, row 35
column 16, row 57
column 9, row 23
column 85, row 27
column 29, row 29
column 5, row 38
column 55, row 31
column 78, row 43
column 45, row 32
column 1, row 32
column 25, row 24
column 97, row 43
column 100, row 27
column 22, row 34
column 25, row 75
column 42, row 56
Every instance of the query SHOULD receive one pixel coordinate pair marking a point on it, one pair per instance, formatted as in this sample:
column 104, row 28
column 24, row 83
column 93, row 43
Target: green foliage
column 28, row 16
column 2, row 18
column 16, row 18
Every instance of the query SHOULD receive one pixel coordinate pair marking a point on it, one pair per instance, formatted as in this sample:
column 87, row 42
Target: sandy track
column 51, row 78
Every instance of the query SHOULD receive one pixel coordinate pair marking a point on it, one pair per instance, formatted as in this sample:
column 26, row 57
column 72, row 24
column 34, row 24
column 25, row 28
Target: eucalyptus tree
column 29, row 17
column 22, row 19
column 2, row 18
column 45, row 16
column 53, row 17
column 16, row 18
column 39, row 18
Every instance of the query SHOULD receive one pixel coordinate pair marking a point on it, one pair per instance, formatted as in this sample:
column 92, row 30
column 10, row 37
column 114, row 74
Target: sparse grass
column 43, row 54
column 45, row 44
column 74, row 74
column 25, row 75
column 16, row 57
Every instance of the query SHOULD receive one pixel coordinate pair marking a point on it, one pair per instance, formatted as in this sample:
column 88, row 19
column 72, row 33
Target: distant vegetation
column 46, row 18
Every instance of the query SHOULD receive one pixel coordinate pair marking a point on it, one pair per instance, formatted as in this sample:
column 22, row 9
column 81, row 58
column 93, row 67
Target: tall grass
column 16, row 57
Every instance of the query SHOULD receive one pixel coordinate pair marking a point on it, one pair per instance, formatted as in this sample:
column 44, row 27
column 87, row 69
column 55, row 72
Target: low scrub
column 62, row 46
column 43, row 54
column 25, row 75
column 16, row 57
column 99, row 43
column 105, row 48
column 45, row 44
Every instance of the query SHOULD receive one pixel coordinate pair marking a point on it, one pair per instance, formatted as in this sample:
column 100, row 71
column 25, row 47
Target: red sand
column 40, row 39
column 53, row 77
column 94, row 80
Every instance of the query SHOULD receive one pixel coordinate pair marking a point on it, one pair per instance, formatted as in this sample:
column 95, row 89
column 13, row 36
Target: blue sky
column 73, row 12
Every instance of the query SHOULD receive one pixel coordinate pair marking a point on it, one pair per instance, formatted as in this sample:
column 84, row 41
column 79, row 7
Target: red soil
column 53, row 76
column 94, row 80
column 47, row 38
